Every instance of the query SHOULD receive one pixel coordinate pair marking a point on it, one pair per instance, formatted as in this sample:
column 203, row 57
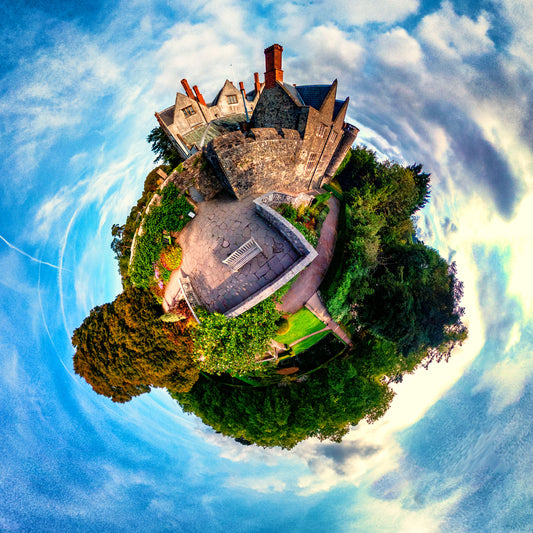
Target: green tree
column 123, row 349
column 163, row 148
column 325, row 405
column 416, row 297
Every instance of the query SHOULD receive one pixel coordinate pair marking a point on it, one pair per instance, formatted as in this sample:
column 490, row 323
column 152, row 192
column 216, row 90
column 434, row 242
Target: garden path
column 310, row 279
column 315, row 305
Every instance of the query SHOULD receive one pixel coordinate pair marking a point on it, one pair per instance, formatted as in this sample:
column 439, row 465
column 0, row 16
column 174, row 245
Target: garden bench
column 243, row 255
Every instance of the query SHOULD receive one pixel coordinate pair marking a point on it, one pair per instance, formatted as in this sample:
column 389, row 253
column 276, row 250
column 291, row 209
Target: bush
column 283, row 326
column 172, row 317
column 171, row 257
column 231, row 344
column 170, row 216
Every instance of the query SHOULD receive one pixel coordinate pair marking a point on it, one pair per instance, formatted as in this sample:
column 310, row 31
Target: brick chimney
column 241, row 87
column 257, row 83
column 273, row 65
column 199, row 96
column 187, row 88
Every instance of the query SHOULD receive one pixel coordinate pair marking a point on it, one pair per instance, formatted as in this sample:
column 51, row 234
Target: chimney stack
column 273, row 65
column 199, row 96
column 257, row 83
column 241, row 87
column 187, row 88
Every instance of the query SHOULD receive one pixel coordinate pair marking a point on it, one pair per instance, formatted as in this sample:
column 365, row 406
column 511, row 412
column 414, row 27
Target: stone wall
column 297, row 240
column 197, row 172
column 276, row 109
column 260, row 162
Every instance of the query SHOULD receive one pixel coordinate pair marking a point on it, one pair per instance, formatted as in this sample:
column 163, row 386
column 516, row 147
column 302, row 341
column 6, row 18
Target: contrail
column 30, row 256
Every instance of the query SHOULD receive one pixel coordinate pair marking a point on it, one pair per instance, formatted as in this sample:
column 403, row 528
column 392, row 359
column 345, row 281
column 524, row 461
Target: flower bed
column 307, row 220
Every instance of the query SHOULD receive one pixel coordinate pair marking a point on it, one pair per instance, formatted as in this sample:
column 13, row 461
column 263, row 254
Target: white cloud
column 323, row 54
column 519, row 15
column 398, row 49
column 507, row 379
column 360, row 13
column 454, row 35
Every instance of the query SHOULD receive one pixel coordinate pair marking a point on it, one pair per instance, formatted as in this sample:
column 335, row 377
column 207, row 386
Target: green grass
column 302, row 323
column 310, row 341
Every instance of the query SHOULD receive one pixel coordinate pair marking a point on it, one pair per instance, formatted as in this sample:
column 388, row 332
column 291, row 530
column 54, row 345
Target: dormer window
column 321, row 130
column 232, row 99
column 188, row 111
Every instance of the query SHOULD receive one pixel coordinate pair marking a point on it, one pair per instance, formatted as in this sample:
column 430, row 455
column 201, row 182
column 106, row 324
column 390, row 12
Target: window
column 232, row 99
column 188, row 111
column 334, row 136
column 321, row 130
column 310, row 162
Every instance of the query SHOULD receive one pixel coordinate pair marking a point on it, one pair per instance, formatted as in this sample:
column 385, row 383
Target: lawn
column 302, row 323
column 310, row 341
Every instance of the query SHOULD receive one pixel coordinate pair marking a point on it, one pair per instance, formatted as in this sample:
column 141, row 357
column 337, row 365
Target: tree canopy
column 325, row 405
column 123, row 348
column 163, row 148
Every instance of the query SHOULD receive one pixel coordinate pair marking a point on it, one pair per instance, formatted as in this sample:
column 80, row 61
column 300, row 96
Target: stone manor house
column 278, row 136
column 245, row 153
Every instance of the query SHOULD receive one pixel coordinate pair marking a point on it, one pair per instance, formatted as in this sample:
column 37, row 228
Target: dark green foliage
column 123, row 349
column 170, row 216
column 381, row 281
column 334, row 397
column 415, row 297
column 283, row 326
column 232, row 344
column 163, row 148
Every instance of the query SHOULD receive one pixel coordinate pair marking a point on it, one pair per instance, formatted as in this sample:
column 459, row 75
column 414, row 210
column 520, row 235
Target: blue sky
column 447, row 84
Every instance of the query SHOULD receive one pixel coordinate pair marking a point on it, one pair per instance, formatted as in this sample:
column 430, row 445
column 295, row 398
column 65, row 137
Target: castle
column 278, row 136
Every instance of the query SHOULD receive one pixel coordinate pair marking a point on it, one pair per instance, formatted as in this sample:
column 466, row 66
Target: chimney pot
column 199, row 96
column 257, row 83
column 273, row 72
column 187, row 88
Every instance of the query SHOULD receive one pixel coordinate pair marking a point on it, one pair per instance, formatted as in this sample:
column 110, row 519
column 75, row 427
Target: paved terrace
column 220, row 227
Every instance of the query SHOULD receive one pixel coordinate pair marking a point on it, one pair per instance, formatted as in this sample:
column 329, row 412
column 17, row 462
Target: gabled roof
column 167, row 116
column 291, row 89
column 228, row 86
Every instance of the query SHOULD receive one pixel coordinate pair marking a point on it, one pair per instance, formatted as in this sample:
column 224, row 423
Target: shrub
column 170, row 216
column 231, row 344
column 171, row 257
column 172, row 317
column 283, row 326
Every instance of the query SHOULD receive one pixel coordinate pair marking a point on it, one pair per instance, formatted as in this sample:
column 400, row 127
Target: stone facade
column 292, row 139
column 190, row 112
column 197, row 173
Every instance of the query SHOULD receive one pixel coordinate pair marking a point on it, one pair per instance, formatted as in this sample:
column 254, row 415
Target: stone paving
column 220, row 227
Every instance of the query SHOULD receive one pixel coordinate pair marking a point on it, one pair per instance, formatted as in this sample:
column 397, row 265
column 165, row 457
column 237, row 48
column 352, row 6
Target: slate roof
column 337, row 108
column 167, row 116
column 313, row 95
column 294, row 93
